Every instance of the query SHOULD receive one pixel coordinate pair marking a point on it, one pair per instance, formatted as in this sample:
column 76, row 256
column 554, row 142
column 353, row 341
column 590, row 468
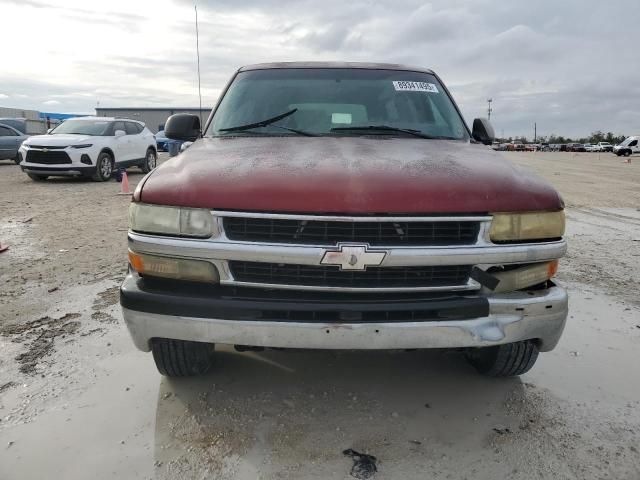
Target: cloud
column 51, row 102
column 3, row 96
column 570, row 66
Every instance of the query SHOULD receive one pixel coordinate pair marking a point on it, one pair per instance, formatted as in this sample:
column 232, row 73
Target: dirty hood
column 364, row 175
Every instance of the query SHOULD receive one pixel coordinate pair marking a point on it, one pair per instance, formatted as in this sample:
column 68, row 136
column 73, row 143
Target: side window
column 5, row 132
column 633, row 143
column 131, row 128
column 139, row 127
column 118, row 126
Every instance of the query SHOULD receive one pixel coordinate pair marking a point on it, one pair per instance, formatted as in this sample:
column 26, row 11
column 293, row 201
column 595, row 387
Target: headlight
column 85, row 145
column 514, row 227
column 175, row 221
column 175, row 268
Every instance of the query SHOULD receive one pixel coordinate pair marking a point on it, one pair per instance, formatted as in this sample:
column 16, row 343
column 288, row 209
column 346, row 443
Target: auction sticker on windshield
column 405, row 86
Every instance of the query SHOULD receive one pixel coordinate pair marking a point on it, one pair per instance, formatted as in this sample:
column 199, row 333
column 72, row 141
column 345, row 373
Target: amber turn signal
column 175, row 268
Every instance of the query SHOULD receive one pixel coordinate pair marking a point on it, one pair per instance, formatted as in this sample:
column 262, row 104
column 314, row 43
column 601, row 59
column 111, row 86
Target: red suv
column 342, row 206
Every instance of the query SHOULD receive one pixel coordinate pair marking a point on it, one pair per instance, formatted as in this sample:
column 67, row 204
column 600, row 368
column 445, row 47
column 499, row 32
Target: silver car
column 10, row 141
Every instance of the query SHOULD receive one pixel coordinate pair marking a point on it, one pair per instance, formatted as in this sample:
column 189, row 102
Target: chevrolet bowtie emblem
column 45, row 150
column 353, row 257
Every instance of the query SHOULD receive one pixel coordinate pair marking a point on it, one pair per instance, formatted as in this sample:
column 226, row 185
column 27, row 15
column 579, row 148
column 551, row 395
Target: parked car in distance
column 604, row 147
column 91, row 147
column 627, row 147
column 10, row 141
column 575, row 147
column 161, row 141
column 288, row 223
column 19, row 124
column 165, row 144
column 590, row 147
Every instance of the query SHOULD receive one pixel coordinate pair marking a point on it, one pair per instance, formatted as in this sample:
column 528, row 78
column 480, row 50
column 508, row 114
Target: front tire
column 150, row 161
column 508, row 360
column 104, row 168
column 627, row 153
column 181, row 358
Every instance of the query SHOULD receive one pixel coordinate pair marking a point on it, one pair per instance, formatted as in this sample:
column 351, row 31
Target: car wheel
column 180, row 358
column 37, row 178
column 627, row 153
column 104, row 167
column 150, row 161
column 18, row 158
column 508, row 360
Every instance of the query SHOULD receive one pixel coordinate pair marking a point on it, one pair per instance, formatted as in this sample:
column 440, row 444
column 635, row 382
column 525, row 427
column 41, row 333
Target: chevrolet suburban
column 342, row 206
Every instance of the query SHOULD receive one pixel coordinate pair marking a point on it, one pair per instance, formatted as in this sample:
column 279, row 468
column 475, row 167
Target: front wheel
column 627, row 153
column 181, row 358
column 104, row 167
column 508, row 360
column 150, row 160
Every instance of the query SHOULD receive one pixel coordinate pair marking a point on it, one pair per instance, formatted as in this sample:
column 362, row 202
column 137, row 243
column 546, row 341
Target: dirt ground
column 78, row 401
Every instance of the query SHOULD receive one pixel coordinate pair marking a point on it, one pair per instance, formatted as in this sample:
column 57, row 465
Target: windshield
column 82, row 127
column 337, row 101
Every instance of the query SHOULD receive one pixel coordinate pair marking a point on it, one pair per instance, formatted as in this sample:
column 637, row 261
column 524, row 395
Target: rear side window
column 131, row 128
column 5, row 132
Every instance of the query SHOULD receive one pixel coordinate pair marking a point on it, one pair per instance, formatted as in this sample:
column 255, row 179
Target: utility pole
column 535, row 132
column 489, row 110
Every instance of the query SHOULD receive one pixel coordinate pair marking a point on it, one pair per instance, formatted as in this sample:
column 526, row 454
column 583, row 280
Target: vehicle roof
column 360, row 65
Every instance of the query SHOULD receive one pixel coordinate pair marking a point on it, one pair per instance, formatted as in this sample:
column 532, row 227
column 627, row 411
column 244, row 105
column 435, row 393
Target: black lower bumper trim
column 88, row 171
column 200, row 301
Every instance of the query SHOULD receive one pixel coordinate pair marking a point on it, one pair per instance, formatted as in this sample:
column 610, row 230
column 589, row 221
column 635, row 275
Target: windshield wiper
column 386, row 128
column 267, row 122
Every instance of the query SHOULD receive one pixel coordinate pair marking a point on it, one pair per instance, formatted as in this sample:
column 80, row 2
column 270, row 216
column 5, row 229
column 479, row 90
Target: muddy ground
column 78, row 401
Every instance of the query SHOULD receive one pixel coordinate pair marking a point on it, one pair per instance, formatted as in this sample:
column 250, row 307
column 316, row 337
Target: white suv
column 91, row 147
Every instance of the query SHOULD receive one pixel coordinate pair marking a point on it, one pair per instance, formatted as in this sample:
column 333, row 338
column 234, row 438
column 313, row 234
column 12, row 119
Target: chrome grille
column 330, row 276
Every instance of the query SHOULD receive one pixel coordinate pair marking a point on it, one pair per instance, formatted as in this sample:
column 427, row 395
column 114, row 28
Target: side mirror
column 119, row 133
column 182, row 126
column 483, row 131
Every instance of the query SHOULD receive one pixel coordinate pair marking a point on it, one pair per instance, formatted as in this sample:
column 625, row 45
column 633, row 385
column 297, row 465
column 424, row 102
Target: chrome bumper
column 516, row 316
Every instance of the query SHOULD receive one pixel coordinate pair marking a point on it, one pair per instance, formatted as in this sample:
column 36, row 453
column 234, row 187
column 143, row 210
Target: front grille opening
column 325, row 232
column 48, row 158
column 331, row 276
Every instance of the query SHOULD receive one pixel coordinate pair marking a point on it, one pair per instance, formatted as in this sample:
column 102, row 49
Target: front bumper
column 76, row 167
column 455, row 321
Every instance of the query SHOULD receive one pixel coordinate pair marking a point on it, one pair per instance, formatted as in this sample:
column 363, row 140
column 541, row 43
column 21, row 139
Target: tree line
column 595, row 137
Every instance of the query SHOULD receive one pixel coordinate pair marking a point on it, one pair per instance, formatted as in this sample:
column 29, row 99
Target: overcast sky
column 571, row 66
